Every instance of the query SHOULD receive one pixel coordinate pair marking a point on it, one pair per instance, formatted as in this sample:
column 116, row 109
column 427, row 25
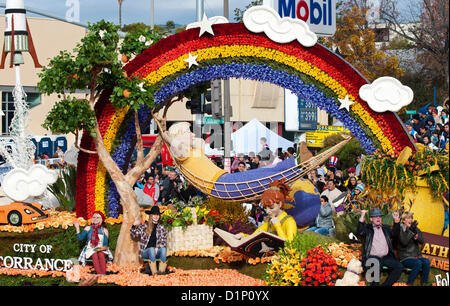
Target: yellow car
column 18, row 213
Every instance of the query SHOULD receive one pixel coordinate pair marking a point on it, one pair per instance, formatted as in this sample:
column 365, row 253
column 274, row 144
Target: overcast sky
column 180, row 11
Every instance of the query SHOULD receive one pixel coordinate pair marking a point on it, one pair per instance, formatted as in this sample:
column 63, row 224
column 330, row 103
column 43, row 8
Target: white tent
column 247, row 139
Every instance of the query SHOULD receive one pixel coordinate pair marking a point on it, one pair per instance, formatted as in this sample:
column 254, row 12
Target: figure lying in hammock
column 188, row 152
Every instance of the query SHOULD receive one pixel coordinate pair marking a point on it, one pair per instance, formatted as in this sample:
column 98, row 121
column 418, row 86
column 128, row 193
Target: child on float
column 152, row 237
column 277, row 222
column 96, row 246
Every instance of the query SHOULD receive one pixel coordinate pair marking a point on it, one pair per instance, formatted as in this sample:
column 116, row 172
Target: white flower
column 106, row 70
column 142, row 38
column 102, row 33
column 141, row 86
column 149, row 42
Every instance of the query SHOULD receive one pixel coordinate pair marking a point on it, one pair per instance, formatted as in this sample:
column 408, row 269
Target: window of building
column 8, row 108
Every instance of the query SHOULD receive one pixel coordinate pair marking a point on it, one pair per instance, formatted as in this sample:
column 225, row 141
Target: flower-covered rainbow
column 314, row 73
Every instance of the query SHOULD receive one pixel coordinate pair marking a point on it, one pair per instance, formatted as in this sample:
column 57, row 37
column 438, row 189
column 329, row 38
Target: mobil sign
column 320, row 15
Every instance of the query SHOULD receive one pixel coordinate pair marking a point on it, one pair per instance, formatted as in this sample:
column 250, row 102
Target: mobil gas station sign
column 320, row 15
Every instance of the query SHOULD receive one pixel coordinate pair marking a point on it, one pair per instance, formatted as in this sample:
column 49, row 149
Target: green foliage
column 94, row 65
column 400, row 43
column 302, row 242
column 232, row 211
column 172, row 219
column 382, row 173
column 138, row 40
column 347, row 155
column 239, row 14
column 64, row 188
column 70, row 115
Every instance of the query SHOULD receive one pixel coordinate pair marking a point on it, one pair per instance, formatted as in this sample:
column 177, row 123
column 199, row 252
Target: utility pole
column 152, row 14
column 198, row 118
column 226, row 109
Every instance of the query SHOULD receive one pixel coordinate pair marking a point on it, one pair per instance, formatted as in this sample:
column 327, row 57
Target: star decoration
column 192, row 60
column 265, row 248
column 141, row 86
column 345, row 103
column 206, row 26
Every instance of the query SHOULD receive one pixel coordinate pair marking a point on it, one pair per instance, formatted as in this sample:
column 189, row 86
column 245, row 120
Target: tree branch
column 80, row 148
column 140, row 145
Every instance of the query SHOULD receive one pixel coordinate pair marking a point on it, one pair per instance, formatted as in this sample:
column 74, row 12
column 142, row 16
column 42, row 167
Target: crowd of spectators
column 430, row 127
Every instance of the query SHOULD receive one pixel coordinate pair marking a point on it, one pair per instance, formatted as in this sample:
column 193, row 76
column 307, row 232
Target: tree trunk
column 127, row 250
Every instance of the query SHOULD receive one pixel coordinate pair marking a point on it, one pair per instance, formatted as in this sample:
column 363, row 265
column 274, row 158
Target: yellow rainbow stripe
column 108, row 139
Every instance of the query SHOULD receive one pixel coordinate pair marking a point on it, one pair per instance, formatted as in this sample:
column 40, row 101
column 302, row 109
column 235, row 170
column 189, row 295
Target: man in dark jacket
column 378, row 245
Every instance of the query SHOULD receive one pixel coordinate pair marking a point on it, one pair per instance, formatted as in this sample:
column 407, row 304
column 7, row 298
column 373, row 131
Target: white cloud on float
column 282, row 30
column 19, row 184
column 386, row 94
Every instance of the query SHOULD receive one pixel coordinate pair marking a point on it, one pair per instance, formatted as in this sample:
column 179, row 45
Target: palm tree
column 120, row 12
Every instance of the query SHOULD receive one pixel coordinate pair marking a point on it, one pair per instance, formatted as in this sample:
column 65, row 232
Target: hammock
column 250, row 185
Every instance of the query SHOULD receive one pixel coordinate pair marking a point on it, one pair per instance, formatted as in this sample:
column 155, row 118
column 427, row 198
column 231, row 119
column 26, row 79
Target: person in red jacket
column 151, row 188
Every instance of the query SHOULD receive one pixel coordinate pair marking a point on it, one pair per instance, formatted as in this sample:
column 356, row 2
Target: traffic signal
column 195, row 103
column 214, row 95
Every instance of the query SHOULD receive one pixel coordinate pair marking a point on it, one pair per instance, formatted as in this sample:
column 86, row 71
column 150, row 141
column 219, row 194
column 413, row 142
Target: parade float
column 153, row 73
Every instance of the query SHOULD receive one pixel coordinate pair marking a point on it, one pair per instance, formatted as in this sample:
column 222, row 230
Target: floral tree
column 97, row 65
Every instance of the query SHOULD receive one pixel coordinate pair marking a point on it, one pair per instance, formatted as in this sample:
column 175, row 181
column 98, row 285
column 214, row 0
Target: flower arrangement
column 57, row 219
column 289, row 263
column 343, row 253
column 320, row 269
column 382, row 172
column 171, row 219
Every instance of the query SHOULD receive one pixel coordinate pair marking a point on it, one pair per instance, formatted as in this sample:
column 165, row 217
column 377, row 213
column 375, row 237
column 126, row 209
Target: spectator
column 416, row 122
column 355, row 199
column 423, row 131
column 59, row 152
column 279, row 157
column 428, row 143
column 265, row 153
column 444, row 116
column 330, row 174
column 256, row 162
column 240, row 158
column 165, row 185
column 409, row 251
column 331, row 192
column 411, row 131
column 351, row 173
column 324, row 220
column 316, row 180
column 339, row 180
column 435, row 139
column 241, row 167
column 378, row 245
column 444, row 136
column 429, row 122
column 351, row 184
column 290, row 152
column 151, row 188
column 358, row 166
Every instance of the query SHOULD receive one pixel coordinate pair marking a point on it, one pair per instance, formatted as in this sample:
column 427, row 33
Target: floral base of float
column 194, row 237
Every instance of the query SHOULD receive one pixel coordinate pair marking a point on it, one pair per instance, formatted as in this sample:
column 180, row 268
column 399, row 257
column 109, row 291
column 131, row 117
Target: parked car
column 18, row 213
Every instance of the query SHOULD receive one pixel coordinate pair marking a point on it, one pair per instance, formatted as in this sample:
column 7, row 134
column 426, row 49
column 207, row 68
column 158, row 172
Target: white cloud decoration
column 19, row 184
column 386, row 94
column 281, row 30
